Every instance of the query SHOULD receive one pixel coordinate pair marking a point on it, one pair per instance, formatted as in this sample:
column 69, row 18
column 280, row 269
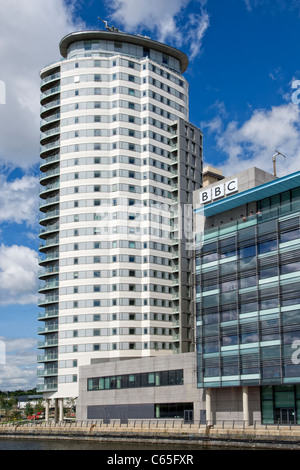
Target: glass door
column 287, row 416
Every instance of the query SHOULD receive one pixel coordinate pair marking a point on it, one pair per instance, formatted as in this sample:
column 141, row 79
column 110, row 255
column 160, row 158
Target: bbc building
column 248, row 295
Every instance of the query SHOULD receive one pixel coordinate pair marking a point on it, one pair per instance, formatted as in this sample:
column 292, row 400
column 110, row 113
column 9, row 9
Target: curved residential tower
column 119, row 163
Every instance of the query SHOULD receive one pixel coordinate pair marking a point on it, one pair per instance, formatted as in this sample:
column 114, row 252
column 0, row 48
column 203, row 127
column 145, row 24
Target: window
column 140, row 380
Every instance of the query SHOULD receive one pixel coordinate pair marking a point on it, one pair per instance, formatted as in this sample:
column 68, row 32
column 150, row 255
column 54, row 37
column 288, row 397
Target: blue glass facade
column 248, row 292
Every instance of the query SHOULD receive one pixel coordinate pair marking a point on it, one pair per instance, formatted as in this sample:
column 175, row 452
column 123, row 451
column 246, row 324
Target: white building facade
column 119, row 163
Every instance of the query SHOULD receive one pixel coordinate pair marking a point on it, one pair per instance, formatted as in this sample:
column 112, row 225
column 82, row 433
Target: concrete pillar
column 246, row 406
column 208, row 406
column 61, row 409
column 47, row 410
column 56, row 410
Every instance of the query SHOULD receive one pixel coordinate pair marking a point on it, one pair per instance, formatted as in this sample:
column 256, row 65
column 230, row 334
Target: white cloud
column 19, row 200
column 19, row 370
column 253, row 142
column 30, row 34
column 164, row 20
column 291, row 5
column 18, row 275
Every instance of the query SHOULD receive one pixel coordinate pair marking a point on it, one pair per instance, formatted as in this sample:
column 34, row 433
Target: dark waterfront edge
column 190, row 442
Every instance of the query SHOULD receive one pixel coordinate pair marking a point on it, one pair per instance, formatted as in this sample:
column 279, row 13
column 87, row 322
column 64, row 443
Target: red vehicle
column 37, row 416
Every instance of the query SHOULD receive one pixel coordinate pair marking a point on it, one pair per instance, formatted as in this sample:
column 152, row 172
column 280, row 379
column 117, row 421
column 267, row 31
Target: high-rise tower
column 119, row 163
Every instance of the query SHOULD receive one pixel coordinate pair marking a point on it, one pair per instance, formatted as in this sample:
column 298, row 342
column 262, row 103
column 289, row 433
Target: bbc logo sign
column 217, row 192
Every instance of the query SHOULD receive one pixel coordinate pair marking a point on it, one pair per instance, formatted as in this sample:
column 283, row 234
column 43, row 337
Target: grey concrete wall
column 186, row 393
column 227, row 404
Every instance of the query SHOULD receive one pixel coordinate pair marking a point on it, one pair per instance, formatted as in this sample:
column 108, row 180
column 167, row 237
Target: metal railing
column 153, row 424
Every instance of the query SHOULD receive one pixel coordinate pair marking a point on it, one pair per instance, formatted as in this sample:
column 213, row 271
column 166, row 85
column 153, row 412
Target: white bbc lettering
column 231, row 187
column 224, row 189
column 218, row 191
column 205, row 196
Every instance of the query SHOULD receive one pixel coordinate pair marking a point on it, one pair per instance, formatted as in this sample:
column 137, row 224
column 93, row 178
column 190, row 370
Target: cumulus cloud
column 253, row 142
column 30, row 33
column 19, row 200
column 164, row 20
column 18, row 275
column 18, row 371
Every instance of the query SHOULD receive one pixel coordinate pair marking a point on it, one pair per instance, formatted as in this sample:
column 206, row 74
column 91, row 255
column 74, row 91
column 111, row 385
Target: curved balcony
column 50, row 243
column 47, row 372
column 49, row 230
column 49, row 257
column 45, row 123
column 49, row 188
column 52, row 387
column 54, row 145
column 49, row 93
column 49, row 106
column 52, row 313
column 47, row 357
column 53, row 132
column 47, row 216
column 50, row 201
column 48, row 343
column 49, row 286
column 48, row 271
column 50, row 81
column 48, row 175
column 48, row 329
column 50, row 299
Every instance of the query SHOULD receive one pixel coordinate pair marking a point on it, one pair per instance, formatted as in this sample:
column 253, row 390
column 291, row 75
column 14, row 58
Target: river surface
column 73, row 444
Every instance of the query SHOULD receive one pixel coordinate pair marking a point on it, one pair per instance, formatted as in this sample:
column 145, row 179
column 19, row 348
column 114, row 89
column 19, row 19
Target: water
column 66, row 444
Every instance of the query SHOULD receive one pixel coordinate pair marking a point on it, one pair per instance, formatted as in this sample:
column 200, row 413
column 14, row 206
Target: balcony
column 50, row 243
column 52, row 313
column 48, row 106
column 49, row 343
column 44, row 149
column 47, row 358
column 49, row 161
column 49, row 188
column 48, row 329
column 50, row 78
column 49, row 271
column 49, row 257
column 48, row 300
column 46, row 387
column 44, row 217
column 49, row 92
column 49, row 120
column 47, row 372
column 49, row 201
column 48, row 286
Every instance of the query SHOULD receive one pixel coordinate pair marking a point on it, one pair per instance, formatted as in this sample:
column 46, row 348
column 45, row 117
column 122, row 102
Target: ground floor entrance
column 285, row 415
column 281, row 404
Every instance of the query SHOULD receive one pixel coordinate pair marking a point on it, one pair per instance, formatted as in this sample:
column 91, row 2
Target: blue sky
column 244, row 61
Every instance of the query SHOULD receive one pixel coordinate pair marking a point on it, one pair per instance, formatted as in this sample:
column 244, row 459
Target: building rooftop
column 257, row 193
column 124, row 37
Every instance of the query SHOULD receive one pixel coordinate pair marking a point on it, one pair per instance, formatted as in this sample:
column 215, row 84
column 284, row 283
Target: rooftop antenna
column 274, row 160
column 109, row 28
